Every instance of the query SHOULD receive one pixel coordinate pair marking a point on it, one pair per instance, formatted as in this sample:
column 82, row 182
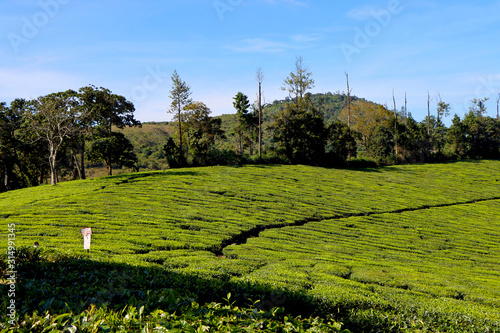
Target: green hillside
column 413, row 247
column 329, row 104
column 149, row 139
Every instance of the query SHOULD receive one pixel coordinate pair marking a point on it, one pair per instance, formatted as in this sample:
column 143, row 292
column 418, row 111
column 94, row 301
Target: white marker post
column 86, row 233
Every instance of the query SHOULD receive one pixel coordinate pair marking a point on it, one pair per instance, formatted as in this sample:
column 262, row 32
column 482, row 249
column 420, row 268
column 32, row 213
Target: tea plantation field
column 406, row 248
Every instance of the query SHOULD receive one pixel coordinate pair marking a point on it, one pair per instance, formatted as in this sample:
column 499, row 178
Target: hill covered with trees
column 91, row 132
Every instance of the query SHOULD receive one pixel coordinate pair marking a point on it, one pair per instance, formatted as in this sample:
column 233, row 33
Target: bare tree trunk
column 348, row 115
column 78, row 166
column 395, row 125
column 82, row 165
column 260, row 123
column 240, row 138
column 6, row 180
column 428, row 113
column 53, row 175
column 429, row 122
column 406, row 107
column 180, row 136
column 438, row 115
column 498, row 102
column 260, row 78
column 52, row 164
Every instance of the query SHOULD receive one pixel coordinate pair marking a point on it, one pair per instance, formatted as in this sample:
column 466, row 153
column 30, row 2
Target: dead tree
column 395, row 125
column 348, row 114
column 260, row 79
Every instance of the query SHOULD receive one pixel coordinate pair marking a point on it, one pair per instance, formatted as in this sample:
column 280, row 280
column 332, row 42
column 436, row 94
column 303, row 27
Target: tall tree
column 439, row 132
column 474, row 120
column 395, row 125
column 30, row 152
column 54, row 118
column 299, row 81
column 202, row 132
column 342, row 141
column 180, row 96
column 20, row 158
column 7, row 148
column 381, row 145
column 428, row 113
column 299, row 130
column 413, row 140
column 241, row 104
column 457, row 137
column 170, row 150
column 498, row 104
column 114, row 149
column 478, row 107
column 405, row 113
column 443, row 109
column 348, row 114
column 365, row 118
column 260, row 79
column 100, row 110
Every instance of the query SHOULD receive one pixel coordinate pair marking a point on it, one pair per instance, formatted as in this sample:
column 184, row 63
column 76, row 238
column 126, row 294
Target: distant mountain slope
column 149, row 139
column 330, row 104
column 148, row 142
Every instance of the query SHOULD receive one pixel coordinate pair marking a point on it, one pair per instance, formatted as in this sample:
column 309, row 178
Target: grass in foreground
column 399, row 248
column 58, row 293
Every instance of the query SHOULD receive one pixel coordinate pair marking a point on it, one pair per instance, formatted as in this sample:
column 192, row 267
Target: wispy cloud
column 362, row 13
column 262, row 45
column 259, row 45
column 306, row 38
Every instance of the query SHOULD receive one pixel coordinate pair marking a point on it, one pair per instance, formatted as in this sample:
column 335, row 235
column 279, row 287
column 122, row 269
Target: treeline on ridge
column 61, row 135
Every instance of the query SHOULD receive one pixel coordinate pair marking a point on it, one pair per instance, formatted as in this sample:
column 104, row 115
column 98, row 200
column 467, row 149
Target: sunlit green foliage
column 411, row 247
column 74, row 294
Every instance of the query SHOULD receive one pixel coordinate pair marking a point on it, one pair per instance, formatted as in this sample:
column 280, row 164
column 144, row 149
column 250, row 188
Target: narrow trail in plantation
column 243, row 237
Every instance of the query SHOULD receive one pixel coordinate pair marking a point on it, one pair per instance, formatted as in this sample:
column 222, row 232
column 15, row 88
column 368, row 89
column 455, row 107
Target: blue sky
column 216, row 46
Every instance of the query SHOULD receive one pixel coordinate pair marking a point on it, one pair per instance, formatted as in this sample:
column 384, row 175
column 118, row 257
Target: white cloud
column 307, row 38
column 261, row 45
column 362, row 13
